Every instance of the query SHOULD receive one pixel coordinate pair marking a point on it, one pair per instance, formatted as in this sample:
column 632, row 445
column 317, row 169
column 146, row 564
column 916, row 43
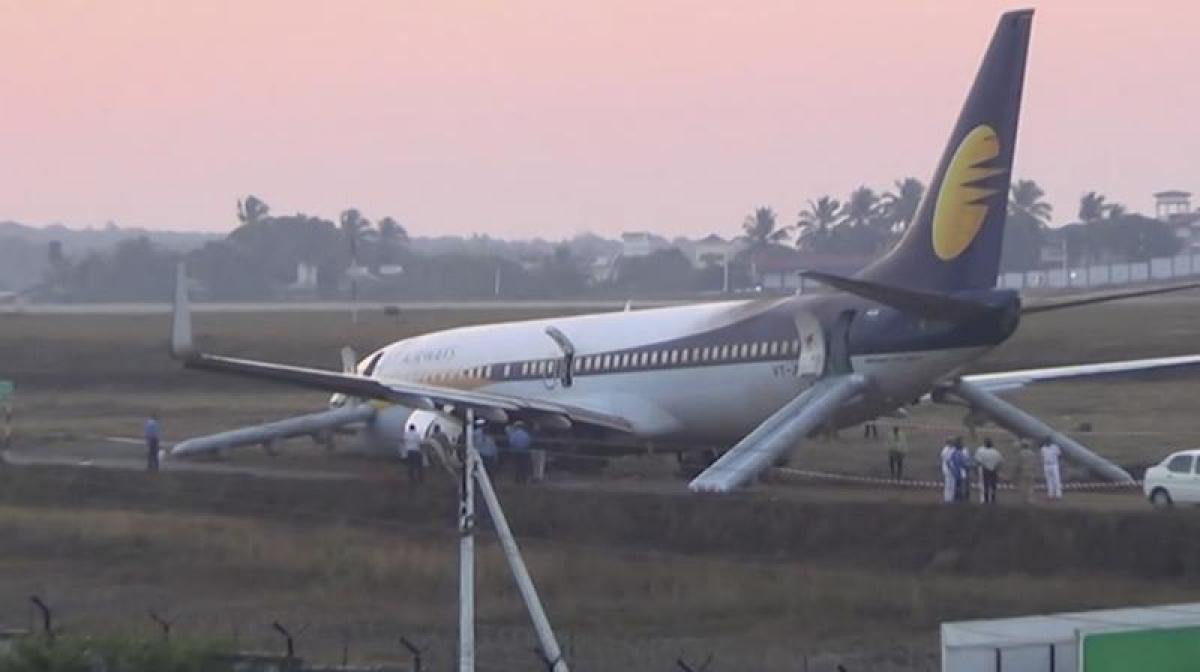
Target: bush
column 115, row 654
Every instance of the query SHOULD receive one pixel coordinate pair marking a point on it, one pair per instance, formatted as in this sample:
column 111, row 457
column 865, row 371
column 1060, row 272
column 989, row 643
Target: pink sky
column 531, row 117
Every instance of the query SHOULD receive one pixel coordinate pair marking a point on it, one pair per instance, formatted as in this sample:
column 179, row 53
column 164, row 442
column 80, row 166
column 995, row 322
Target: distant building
column 712, row 250
column 1170, row 205
column 639, row 243
column 1175, row 208
column 306, row 278
column 778, row 267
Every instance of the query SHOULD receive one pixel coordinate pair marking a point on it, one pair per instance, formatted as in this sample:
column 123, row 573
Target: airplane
column 765, row 374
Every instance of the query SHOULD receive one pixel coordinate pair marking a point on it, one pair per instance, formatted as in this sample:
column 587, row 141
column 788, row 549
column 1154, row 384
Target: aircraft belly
column 899, row 376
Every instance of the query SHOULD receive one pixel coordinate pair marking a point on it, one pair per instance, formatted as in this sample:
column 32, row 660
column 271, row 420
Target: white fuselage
column 709, row 372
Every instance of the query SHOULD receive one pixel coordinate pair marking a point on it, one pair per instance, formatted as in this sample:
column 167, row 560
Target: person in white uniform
column 1050, row 467
column 413, row 458
column 948, row 479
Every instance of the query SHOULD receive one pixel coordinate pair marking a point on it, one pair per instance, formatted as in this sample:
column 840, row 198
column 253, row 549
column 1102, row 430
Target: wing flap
column 778, row 433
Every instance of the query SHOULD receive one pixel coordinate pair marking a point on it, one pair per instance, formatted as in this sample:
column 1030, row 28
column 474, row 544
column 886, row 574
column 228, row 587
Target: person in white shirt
column 412, row 455
column 989, row 460
column 1050, row 457
column 948, row 479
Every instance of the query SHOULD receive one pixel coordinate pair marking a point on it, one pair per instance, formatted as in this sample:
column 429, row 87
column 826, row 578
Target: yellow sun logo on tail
column 961, row 203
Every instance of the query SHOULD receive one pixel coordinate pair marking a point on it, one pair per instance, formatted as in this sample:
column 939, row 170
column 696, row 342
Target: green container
column 1155, row 650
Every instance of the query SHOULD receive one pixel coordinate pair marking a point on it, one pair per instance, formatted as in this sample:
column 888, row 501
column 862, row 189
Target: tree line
column 357, row 257
column 868, row 222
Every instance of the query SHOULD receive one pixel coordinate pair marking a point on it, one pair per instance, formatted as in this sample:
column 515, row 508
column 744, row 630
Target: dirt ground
column 635, row 572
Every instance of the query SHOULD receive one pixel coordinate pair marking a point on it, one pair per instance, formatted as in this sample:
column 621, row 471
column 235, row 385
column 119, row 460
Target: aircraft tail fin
column 954, row 241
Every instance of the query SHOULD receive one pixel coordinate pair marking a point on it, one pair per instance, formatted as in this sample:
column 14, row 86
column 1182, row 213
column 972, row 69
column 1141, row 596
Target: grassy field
column 88, row 375
column 632, row 580
column 757, row 582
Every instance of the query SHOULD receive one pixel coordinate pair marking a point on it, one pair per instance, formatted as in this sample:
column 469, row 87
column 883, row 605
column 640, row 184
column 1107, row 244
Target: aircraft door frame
column 810, row 361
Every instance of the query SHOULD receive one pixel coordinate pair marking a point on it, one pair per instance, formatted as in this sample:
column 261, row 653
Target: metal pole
column 466, row 555
column 725, row 272
column 550, row 649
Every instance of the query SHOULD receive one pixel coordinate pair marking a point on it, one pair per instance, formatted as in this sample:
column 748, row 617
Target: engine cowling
column 385, row 432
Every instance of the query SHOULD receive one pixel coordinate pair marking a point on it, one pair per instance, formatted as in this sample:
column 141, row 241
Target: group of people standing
column 958, row 464
column 513, row 445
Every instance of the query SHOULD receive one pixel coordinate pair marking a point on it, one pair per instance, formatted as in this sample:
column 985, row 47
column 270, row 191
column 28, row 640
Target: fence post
column 415, row 651
column 291, row 643
column 163, row 624
column 47, row 616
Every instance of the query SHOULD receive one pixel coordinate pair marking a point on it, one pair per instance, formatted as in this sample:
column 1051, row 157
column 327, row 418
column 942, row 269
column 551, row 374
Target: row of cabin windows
column 600, row 363
column 697, row 355
column 459, row 374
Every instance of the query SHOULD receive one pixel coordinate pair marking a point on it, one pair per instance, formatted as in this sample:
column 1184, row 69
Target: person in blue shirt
column 960, row 464
column 151, row 432
column 485, row 445
column 519, row 443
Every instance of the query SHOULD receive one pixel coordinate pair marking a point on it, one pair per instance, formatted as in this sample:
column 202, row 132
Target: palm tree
column 761, row 231
column 356, row 229
column 392, row 236
column 900, row 206
column 1026, row 199
column 1092, row 207
column 760, row 228
column 253, row 210
column 861, row 209
column 815, row 221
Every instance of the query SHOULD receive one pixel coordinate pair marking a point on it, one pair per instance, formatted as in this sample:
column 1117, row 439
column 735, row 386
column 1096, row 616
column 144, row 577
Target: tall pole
column 533, row 604
column 466, row 555
column 725, row 272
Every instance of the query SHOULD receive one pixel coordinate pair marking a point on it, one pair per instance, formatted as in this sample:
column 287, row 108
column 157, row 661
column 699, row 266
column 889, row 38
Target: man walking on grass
column 897, row 451
column 151, row 432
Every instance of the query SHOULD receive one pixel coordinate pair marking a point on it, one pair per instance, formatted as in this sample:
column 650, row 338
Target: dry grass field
column 632, row 580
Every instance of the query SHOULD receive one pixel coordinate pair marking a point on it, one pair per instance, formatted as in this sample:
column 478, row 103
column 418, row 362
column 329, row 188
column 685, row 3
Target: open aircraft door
column 811, row 360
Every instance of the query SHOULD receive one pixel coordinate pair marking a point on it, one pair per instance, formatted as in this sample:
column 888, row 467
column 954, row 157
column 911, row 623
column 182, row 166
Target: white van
column 1175, row 480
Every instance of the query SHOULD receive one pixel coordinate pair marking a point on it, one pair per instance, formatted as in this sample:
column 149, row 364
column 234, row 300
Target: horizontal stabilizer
column 1076, row 301
column 913, row 302
column 779, row 433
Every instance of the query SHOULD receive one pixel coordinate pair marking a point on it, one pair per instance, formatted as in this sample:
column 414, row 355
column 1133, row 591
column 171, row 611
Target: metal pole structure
column 550, row 649
column 466, row 555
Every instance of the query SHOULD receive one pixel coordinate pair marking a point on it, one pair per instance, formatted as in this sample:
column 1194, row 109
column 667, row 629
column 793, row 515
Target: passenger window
column 683, row 356
column 1180, row 464
column 754, row 350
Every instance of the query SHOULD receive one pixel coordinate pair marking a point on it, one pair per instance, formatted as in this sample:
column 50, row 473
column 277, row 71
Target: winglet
column 181, row 317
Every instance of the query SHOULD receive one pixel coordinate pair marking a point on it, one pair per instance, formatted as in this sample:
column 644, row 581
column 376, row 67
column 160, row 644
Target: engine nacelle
column 385, row 431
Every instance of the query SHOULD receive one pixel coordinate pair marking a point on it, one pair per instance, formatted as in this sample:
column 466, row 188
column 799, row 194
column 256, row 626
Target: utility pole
column 474, row 473
column 466, row 554
column 725, row 272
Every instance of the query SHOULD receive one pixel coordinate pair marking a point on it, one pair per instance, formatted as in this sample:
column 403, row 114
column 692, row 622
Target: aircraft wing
column 412, row 395
column 1013, row 380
